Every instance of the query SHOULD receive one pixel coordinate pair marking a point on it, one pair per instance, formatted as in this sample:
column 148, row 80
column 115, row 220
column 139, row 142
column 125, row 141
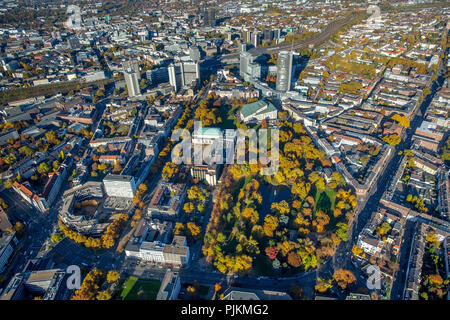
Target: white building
column 152, row 251
column 121, row 186
column 284, row 71
column 370, row 245
column 184, row 74
column 132, row 80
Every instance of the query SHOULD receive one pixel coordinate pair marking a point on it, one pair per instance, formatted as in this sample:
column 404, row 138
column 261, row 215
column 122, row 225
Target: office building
column 234, row 293
column 175, row 76
column 268, row 34
column 276, row 34
column 8, row 242
column 157, row 76
column 132, row 64
column 210, row 174
column 132, row 80
column 245, row 59
column 47, row 284
column 209, row 17
column 120, row 186
column 253, row 72
column 243, row 47
column 257, row 38
column 191, row 73
column 284, row 71
column 246, row 36
column 170, row 286
column 184, row 74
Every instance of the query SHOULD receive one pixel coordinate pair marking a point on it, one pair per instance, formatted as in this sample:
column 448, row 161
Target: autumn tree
column 271, row 252
column 19, row 228
column 357, row 250
column 112, row 276
column 343, row 278
column 104, row 295
column 401, row 120
column 188, row 207
column 294, row 259
column 194, row 230
column 322, row 285
column 270, row 225
column 169, row 170
column 90, row 286
column 392, row 139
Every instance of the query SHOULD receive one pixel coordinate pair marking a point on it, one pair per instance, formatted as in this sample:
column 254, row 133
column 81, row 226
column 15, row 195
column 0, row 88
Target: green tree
column 43, row 168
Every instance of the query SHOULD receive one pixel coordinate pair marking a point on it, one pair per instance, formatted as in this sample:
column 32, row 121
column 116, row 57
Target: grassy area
column 139, row 289
column 324, row 200
column 337, row 62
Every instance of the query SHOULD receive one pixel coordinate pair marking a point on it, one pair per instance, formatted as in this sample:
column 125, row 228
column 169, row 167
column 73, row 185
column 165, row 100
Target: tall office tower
column 209, row 17
column 268, row 35
column 284, row 71
column 191, row 73
column 253, row 72
column 132, row 64
column 175, row 76
column 132, row 79
column 246, row 36
column 245, row 59
column 276, row 33
column 183, row 73
column 256, row 38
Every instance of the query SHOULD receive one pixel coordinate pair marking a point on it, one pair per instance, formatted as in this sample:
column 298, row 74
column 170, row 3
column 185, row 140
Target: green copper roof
column 253, row 107
column 210, row 131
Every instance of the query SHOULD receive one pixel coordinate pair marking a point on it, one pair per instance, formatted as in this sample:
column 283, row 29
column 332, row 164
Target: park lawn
column 241, row 183
column 133, row 286
column 319, row 199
